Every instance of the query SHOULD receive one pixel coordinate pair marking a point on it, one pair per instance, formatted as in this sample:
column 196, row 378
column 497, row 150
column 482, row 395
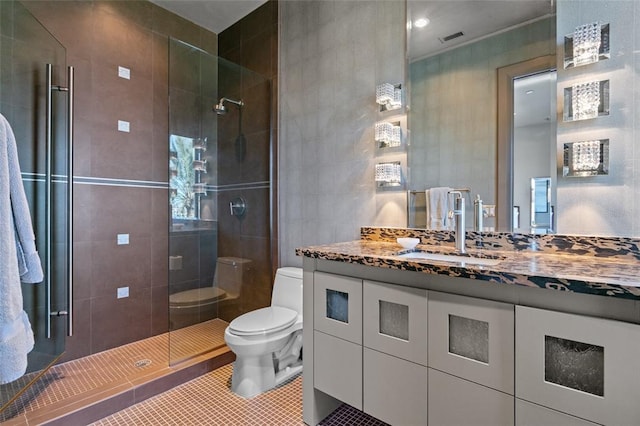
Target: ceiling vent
column 451, row 37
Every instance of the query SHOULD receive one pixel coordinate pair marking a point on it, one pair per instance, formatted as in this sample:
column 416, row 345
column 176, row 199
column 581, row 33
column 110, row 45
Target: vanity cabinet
column 338, row 306
column 395, row 390
column 395, row 320
column 395, row 353
column 338, row 368
column 457, row 402
column 409, row 355
column 471, row 358
column 373, row 346
column 583, row 366
column 337, row 323
column 473, row 339
column 528, row 414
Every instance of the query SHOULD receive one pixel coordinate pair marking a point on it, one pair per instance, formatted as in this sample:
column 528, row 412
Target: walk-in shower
column 220, row 262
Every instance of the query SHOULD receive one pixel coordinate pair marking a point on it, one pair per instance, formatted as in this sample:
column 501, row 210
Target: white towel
column 437, row 207
column 19, row 260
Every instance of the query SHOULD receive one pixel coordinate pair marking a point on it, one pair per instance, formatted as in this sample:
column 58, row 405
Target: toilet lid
column 198, row 296
column 265, row 320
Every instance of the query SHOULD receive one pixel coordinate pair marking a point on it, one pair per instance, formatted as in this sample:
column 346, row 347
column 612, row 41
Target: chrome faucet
column 458, row 214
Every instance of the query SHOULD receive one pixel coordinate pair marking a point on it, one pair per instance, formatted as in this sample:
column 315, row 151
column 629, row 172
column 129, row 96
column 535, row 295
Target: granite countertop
column 571, row 270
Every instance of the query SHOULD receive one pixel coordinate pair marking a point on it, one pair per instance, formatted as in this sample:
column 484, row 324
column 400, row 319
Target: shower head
column 220, row 109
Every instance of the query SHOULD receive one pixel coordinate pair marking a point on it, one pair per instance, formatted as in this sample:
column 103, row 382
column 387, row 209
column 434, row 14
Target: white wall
column 603, row 205
column 332, row 56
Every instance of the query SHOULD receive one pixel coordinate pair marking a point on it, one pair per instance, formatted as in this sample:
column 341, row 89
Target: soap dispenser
column 478, row 214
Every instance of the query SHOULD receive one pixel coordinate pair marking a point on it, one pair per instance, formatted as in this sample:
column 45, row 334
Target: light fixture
column 586, row 158
column 389, row 96
column 588, row 44
column 528, row 92
column 586, row 100
column 388, row 174
column 421, row 22
column 388, row 134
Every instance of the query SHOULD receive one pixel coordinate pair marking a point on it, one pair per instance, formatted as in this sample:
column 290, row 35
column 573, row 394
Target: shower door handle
column 48, row 197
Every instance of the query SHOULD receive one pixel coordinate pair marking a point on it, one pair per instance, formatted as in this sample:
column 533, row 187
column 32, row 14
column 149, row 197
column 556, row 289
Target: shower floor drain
column 142, row 363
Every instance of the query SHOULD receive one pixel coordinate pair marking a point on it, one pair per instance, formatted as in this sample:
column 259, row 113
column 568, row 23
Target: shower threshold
column 87, row 389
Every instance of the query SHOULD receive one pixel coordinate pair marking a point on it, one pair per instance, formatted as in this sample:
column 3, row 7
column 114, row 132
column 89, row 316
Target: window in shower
column 182, row 177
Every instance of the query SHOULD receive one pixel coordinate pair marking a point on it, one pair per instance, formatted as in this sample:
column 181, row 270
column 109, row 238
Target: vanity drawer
column 337, row 368
column 528, row 414
column 395, row 390
column 395, row 320
column 473, row 339
column 583, row 366
column 338, row 306
column 457, row 402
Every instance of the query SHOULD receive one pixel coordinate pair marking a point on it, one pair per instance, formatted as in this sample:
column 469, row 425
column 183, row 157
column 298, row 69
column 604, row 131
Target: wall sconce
column 588, row 44
column 388, row 134
column 200, row 166
column 389, row 96
column 388, row 174
column 586, row 100
column 586, row 158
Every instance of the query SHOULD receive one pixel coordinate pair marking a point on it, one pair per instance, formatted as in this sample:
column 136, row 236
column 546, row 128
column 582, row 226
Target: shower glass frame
column 26, row 47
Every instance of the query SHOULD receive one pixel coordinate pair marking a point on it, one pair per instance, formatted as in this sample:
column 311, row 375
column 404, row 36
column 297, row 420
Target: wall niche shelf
column 594, row 45
column 586, row 158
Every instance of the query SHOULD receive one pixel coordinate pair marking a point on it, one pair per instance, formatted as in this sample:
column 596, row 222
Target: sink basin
column 468, row 260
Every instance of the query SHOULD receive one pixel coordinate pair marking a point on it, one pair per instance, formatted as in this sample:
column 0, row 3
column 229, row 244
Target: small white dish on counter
column 408, row 243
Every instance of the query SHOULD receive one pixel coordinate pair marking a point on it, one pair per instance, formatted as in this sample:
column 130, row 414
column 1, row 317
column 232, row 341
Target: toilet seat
column 261, row 321
column 196, row 297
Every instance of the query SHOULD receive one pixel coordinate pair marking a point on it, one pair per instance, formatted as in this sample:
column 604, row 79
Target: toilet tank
column 231, row 273
column 287, row 289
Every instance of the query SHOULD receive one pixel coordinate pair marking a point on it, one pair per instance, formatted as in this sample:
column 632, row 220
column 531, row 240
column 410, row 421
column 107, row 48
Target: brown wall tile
column 120, row 266
column 116, row 322
column 135, row 34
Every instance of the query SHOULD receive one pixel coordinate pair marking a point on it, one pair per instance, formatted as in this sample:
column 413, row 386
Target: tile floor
column 208, row 400
column 205, row 400
column 109, row 368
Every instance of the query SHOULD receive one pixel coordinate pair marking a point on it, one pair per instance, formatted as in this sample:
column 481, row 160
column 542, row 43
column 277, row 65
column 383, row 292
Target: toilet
column 201, row 304
column 268, row 341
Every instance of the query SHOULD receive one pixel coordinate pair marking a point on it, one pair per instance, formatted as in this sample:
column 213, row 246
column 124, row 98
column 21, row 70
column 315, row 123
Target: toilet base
column 255, row 375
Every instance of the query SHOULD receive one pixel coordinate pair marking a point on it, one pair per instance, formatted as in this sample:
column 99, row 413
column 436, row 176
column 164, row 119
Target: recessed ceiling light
column 528, row 92
column 421, row 23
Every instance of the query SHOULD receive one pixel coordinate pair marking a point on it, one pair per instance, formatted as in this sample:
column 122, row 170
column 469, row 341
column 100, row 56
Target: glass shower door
column 220, row 189
column 25, row 49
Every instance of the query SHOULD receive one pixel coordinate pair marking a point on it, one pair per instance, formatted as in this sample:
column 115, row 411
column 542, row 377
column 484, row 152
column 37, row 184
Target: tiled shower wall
column 252, row 43
column 99, row 37
column 333, row 54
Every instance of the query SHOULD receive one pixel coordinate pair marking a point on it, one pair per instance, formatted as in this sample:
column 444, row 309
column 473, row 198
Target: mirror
column 454, row 102
column 457, row 131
